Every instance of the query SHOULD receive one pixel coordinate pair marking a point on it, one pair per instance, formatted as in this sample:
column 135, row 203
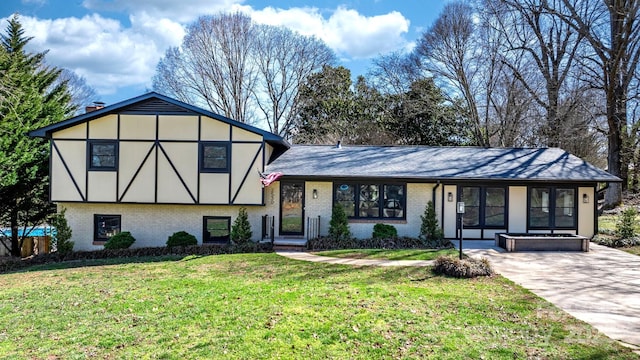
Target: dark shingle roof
column 437, row 163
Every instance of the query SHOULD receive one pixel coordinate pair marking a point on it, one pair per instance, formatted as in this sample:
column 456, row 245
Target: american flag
column 266, row 180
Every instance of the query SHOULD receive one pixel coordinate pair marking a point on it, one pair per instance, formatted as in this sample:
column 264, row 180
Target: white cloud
column 182, row 11
column 112, row 55
column 108, row 55
column 348, row 32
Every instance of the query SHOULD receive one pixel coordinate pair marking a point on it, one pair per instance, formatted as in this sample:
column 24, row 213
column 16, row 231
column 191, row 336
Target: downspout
column 433, row 200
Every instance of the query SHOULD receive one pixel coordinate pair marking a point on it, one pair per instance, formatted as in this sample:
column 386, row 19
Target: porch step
column 291, row 244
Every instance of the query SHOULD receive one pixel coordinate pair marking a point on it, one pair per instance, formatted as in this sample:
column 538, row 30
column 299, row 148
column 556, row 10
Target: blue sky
column 116, row 44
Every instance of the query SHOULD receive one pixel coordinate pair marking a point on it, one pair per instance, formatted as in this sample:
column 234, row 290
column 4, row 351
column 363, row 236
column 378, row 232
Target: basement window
column 105, row 226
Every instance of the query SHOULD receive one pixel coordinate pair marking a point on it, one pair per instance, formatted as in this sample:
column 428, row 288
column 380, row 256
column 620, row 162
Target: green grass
column 405, row 254
column 609, row 221
column 266, row 306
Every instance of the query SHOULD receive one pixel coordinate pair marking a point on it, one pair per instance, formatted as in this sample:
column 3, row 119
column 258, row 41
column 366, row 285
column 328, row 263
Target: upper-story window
column 214, row 157
column 103, row 155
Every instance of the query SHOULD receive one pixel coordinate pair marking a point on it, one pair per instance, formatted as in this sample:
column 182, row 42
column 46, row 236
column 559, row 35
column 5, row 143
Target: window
column 371, row 200
column 346, row 196
column 216, row 229
column 103, row 155
column 105, row 226
column 214, row 157
column 552, row 207
column 369, row 205
column 485, row 207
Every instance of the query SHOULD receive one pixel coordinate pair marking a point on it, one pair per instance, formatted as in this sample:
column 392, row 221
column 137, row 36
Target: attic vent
column 154, row 106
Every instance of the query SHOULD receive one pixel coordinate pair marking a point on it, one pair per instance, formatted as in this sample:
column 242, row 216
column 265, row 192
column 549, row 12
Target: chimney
column 339, row 145
column 97, row 105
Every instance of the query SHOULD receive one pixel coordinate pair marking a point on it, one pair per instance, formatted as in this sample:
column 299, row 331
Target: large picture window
column 369, row 200
column 214, row 157
column 552, row 208
column 485, row 206
column 216, row 229
column 103, row 155
column 105, row 226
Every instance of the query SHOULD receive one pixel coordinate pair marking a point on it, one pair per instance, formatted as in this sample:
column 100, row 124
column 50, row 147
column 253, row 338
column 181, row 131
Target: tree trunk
column 15, row 243
column 613, row 196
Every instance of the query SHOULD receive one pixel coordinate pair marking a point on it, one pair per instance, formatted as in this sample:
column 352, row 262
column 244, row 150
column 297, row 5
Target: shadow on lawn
column 72, row 264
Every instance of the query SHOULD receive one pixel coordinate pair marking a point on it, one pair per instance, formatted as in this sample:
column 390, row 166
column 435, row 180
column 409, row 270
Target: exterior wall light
column 585, row 198
column 450, row 197
column 315, row 193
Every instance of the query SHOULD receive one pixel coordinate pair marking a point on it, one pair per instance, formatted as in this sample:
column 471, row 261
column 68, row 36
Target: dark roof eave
column 445, row 179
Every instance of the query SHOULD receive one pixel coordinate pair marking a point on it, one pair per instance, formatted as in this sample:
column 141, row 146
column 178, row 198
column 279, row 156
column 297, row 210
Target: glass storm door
column 291, row 208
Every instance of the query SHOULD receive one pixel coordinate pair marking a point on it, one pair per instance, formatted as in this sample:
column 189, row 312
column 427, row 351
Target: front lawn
column 404, row 254
column 266, row 306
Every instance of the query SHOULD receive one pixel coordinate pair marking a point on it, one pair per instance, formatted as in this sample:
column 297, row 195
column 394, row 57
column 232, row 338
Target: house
column 153, row 165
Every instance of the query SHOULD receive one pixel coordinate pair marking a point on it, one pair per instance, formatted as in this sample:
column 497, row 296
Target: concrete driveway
column 601, row 287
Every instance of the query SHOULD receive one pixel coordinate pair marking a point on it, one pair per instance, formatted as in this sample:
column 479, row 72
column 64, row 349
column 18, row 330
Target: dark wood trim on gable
column 199, row 164
column 155, row 198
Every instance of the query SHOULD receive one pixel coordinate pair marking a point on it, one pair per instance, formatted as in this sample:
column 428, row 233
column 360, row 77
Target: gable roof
column 153, row 102
column 437, row 163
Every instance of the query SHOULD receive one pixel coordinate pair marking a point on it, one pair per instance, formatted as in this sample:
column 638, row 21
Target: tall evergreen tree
column 29, row 98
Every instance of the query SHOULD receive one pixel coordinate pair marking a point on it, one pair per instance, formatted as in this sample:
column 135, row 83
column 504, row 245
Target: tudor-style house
column 153, row 165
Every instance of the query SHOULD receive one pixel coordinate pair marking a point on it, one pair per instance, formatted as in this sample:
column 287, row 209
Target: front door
column 292, row 208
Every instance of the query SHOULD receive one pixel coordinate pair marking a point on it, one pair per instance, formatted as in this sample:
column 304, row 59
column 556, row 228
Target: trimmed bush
column 241, row 229
column 339, row 224
column 181, row 238
column 62, row 239
column 384, row 231
column 615, row 242
column 329, row 243
column 465, row 268
column 121, row 240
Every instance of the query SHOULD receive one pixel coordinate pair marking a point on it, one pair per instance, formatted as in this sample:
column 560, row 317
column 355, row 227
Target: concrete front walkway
column 601, row 287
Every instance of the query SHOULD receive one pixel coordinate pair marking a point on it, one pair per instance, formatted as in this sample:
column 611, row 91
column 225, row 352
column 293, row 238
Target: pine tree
column 241, row 230
column 30, row 98
column 339, row 224
column 429, row 229
column 63, row 242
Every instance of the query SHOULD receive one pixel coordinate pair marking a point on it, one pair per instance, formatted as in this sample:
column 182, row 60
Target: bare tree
column 612, row 30
column 284, row 60
column 82, row 94
column 448, row 50
column 531, row 31
column 245, row 71
column 212, row 66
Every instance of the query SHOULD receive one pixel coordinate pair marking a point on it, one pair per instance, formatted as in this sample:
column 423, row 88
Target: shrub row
column 465, row 268
column 615, row 242
column 328, row 243
column 11, row 263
